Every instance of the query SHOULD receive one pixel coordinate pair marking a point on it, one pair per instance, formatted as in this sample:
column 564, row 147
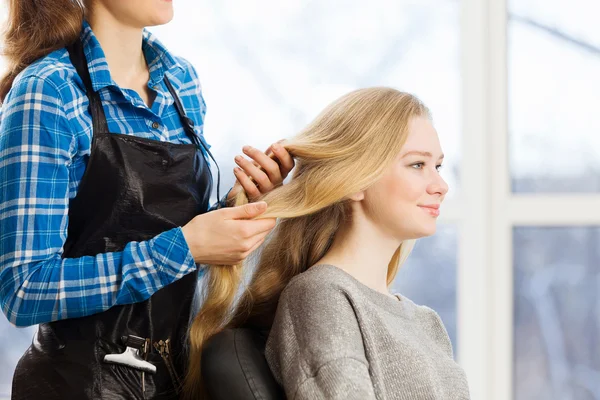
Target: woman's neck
column 122, row 46
column 363, row 251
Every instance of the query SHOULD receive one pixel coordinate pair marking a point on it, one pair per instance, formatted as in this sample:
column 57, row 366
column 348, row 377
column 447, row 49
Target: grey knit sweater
column 335, row 338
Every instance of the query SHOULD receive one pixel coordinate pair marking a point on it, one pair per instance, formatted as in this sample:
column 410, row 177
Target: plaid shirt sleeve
column 36, row 284
column 222, row 203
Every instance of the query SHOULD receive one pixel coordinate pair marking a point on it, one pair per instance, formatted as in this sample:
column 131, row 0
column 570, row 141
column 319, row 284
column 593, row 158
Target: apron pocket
column 117, row 381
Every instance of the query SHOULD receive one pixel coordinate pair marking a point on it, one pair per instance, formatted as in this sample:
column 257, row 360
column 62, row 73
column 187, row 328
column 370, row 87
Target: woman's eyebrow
column 421, row 153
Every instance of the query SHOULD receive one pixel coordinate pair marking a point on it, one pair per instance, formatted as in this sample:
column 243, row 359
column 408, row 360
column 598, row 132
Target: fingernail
column 236, row 169
column 238, row 158
column 246, row 149
column 276, row 146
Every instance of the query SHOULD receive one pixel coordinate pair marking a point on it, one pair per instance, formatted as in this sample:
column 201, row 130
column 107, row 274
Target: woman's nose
column 438, row 186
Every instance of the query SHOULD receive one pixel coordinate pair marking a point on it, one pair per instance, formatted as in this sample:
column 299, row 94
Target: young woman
column 104, row 193
column 366, row 185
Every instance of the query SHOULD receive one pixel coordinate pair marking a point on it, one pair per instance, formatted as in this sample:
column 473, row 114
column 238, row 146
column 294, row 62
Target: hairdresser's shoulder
column 53, row 71
column 320, row 280
column 185, row 65
column 186, row 74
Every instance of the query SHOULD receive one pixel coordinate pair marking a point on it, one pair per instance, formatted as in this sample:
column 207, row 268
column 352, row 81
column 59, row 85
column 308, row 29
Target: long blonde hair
column 344, row 150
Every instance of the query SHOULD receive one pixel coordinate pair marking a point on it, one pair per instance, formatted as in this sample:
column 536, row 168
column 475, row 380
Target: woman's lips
column 433, row 210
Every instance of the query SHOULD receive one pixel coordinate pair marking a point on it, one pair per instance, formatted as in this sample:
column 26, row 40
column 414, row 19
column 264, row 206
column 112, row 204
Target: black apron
column 132, row 189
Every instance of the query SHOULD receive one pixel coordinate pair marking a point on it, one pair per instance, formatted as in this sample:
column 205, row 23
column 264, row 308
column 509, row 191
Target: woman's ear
column 358, row 196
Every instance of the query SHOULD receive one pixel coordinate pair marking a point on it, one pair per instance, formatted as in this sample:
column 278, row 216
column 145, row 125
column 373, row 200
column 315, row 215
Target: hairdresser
column 104, row 199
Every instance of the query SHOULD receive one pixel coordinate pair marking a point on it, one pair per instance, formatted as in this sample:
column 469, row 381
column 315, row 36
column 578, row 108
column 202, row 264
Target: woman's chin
column 425, row 231
column 160, row 18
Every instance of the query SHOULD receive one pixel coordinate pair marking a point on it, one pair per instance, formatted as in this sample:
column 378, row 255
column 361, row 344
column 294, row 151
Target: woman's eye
column 420, row 165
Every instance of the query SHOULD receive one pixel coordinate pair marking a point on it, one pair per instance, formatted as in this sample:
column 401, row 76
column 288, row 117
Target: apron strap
column 77, row 56
column 99, row 124
column 186, row 122
column 188, row 126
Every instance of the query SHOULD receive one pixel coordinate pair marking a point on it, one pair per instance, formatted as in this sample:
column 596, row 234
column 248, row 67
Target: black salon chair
column 234, row 367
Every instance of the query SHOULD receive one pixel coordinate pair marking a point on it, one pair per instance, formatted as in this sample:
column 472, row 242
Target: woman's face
column 138, row 13
column 405, row 202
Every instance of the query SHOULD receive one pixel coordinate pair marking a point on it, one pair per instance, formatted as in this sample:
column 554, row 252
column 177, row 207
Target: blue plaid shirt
column 45, row 140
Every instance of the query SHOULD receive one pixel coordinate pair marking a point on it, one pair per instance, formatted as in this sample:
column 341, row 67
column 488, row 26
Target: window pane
column 554, row 92
column 429, row 276
column 269, row 67
column 557, row 313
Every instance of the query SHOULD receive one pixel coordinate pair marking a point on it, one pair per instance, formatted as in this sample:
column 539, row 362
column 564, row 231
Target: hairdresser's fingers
column 256, row 246
column 250, row 187
column 257, row 227
column 260, row 177
column 285, row 159
column 270, row 166
column 269, row 151
column 247, row 211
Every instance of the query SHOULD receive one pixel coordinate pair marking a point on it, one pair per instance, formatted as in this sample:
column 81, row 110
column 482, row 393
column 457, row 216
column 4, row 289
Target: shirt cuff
column 172, row 255
column 222, row 203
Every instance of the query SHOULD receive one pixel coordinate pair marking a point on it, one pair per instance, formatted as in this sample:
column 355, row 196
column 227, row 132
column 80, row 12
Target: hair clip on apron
column 131, row 356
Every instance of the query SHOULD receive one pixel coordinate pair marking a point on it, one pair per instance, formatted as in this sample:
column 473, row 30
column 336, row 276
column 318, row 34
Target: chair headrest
column 234, row 367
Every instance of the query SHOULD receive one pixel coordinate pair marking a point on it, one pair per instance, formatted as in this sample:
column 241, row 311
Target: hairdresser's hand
column 266, row 170
column 227, row 236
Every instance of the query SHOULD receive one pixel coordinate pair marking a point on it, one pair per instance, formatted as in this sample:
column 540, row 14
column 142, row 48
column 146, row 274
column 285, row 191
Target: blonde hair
column 346, row 149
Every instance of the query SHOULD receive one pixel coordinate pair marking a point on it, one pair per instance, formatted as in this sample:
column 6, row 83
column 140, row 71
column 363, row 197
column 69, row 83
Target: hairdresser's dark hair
column 35, row 28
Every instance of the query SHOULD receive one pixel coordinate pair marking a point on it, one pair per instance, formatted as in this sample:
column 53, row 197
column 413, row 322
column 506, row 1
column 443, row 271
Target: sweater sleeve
column 315, row 348
column 343, row 378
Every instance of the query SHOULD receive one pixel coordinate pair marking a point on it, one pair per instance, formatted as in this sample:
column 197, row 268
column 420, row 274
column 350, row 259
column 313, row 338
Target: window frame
column 487, row 210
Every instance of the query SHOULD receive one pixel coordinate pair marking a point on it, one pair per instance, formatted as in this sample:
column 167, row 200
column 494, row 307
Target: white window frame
column 487, row 211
